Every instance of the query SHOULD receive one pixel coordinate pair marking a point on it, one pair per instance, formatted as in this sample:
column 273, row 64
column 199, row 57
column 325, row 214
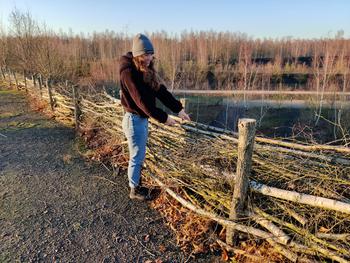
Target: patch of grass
column 17, row 125
column 10, row 92
column 80, row 146
column 77, row 226
column 3, row 83
column 9, row 114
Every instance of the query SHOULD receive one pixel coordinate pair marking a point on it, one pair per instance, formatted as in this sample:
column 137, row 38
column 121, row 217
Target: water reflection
column 277, row 115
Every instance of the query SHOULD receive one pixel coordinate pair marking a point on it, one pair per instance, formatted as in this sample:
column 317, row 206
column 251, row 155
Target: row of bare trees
column 191, row 60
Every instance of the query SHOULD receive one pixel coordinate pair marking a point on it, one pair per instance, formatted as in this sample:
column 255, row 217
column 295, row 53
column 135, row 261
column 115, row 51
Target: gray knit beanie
column 141, row 45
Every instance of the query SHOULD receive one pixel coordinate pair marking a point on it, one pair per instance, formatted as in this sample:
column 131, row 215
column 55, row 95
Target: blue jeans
column 136, row 131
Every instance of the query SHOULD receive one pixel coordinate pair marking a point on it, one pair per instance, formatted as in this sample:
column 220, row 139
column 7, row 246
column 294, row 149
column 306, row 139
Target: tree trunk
column 16, row 80
column 34, row 80
column 3, row 73
column 25, row 80
column 9, row 75
column 76, row 106
column 40, row 80
column 48, row 85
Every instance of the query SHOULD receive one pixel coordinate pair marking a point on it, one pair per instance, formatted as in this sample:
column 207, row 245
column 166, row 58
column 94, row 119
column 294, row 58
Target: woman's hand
column 183, row 115
column 170, row 121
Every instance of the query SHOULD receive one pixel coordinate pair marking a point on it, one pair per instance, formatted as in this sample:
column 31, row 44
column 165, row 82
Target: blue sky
column 258, row 18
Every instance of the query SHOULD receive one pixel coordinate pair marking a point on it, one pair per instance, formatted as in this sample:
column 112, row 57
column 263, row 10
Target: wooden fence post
column 76, row 106
column 40, row 80
column 48, row 85
column 246, row 134
column 9, row 75
column 2, row 73
column 15, row 77
column 34, row 80
column 25, row 80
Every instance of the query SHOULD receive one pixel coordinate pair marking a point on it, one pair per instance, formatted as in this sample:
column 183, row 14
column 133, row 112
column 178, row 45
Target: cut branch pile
column 298, row 203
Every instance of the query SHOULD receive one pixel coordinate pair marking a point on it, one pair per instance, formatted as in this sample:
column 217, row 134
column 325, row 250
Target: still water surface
column 288, row 116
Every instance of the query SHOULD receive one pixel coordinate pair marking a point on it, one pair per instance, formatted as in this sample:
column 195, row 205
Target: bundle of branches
column 63, row 103
column 62, row 100
column 202, row 164
column 100, row 127
column 103, row 111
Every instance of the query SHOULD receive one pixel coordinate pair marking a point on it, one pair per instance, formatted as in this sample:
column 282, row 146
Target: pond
column 293, row 116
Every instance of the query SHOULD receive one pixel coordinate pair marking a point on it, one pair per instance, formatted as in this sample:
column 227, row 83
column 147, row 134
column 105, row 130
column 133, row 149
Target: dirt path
column 53, row 206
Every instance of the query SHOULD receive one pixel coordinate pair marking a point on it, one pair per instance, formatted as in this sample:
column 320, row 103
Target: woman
column 140, row 86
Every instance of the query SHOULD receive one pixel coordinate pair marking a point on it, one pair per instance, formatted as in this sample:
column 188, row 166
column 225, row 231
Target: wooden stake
column 48, row 85
column 40, row 80
column 3, row 73
column 15, row 77
column 9, row 75
column 25, row 80
column 34, row 80
column 246, row 134
column 76, row 107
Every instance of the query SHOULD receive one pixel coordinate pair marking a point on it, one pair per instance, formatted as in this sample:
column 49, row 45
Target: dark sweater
column 139, row 98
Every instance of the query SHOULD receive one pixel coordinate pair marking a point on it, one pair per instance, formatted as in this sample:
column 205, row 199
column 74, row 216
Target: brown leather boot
column 136, row 194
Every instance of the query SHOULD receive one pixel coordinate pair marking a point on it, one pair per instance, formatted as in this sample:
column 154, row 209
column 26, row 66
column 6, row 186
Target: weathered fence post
column 25, row 80
column 2, row 73
column 40, row 80
column 246, row 134
column 15, row 77
column 34, row 80
column 76, row 106
column 9, row 75
column 48, row 85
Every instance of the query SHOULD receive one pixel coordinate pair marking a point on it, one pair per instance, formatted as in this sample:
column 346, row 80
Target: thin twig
column 102, row 178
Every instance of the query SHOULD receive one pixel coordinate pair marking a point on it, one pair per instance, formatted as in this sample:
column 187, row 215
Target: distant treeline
column 190, row 60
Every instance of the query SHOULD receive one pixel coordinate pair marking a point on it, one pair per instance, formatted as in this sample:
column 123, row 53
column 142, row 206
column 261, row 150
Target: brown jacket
column 139, row 98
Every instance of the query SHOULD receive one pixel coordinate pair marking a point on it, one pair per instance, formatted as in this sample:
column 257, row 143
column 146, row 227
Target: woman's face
column 146, row 59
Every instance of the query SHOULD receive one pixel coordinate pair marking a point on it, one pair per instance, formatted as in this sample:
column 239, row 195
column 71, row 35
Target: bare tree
column 24, row 32
column 323, row 71
column 3, row 51
column 231, row 59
